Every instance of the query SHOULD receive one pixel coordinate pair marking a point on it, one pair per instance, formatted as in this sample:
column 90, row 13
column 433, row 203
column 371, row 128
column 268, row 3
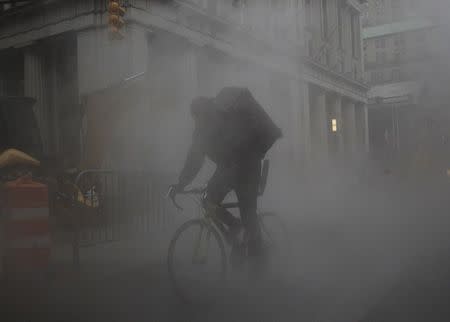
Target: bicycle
column 211, row 232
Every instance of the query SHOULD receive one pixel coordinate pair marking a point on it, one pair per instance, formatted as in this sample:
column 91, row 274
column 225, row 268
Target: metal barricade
column 114, row 206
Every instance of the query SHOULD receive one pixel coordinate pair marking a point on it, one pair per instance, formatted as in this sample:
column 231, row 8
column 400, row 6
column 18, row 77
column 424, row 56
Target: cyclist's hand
column 173, row 191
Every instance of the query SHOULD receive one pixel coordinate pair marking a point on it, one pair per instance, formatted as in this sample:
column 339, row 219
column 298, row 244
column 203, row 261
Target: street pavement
column 139, row 290
column 356, row 251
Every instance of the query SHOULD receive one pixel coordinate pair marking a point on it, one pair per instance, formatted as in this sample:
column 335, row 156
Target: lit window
column 333, row 125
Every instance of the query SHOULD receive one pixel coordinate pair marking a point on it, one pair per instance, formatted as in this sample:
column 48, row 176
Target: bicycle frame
column 200, row 253
column 209, row 213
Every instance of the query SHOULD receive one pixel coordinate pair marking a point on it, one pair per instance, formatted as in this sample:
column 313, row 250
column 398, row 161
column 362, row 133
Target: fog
column 357, row 231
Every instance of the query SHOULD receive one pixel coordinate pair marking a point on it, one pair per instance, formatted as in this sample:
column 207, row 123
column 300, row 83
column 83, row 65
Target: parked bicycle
column 198, row 257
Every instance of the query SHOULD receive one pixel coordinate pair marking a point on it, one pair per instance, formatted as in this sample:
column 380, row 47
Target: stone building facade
column 405, row 53
column 302, row 59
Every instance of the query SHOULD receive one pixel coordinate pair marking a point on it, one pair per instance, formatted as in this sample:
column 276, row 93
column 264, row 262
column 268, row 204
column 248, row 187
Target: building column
column 296, row 121
column 34, row 86
column 348, row 127
column 340, row 121
column 361, row 127
column 305, row 122
column 319, row 130
column 366, row 128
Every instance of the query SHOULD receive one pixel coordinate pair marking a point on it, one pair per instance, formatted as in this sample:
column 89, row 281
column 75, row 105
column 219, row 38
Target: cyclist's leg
column 220, row 184
column 248, row 176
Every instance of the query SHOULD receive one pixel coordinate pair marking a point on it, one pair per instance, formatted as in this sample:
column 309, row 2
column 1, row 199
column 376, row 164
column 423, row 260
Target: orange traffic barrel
column 26, row 226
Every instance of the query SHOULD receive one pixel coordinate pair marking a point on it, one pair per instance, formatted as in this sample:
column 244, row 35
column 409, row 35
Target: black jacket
column 234, row 129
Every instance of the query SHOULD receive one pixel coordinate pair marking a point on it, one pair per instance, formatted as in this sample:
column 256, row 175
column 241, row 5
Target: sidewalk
column 107, row 272
column 350, row 249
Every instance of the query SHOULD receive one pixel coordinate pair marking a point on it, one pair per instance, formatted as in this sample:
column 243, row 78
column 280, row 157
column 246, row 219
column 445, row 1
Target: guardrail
column 111, row 206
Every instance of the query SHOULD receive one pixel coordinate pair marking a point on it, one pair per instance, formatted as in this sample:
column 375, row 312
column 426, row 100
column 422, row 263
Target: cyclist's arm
column 193, row 163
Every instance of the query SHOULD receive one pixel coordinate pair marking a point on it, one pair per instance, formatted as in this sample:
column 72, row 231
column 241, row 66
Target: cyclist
column 234, row 132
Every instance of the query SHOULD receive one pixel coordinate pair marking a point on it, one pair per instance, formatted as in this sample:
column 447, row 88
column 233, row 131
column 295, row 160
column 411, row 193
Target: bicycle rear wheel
column 197, row 262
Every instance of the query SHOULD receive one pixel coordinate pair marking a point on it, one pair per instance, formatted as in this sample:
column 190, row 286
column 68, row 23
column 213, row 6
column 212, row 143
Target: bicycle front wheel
column 197, row 262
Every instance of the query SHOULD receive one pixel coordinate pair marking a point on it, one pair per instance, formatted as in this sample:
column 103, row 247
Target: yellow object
column 12, row 157
column 90, row 201
column 334, row 125
column 93, row 203
column 115, row 21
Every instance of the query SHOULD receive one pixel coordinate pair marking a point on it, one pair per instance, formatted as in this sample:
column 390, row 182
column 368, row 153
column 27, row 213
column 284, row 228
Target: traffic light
column 115, row 20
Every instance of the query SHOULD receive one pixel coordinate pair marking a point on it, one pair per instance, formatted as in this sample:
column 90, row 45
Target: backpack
column 247, row 127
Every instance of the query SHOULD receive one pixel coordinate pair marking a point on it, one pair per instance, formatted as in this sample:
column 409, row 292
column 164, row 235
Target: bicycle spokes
column 197, row 261
column 201, row 246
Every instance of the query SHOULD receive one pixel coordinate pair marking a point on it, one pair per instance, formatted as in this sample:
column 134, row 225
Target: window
column 355, row 34
column 378, row 4
column 333, row 125
column 380, row 43
column 376, row 77
column 340, row 25
column 308, row 12
column 397, row 10
column 396, row 75
column 365, row 19
column 380, row 16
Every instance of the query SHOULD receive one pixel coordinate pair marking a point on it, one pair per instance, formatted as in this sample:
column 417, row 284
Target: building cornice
column 241, row 45
column 338, row 76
